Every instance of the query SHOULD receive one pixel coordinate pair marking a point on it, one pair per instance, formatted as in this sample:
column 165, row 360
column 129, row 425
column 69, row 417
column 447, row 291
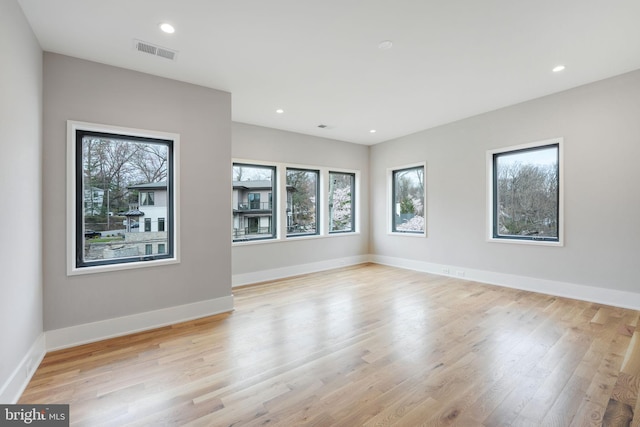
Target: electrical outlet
column 445, row 271
column 460, row 273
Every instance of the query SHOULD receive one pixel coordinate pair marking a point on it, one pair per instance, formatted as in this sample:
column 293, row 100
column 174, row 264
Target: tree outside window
column 408, row 210
column 341, row 202
column 302, row 208
column 526, row 193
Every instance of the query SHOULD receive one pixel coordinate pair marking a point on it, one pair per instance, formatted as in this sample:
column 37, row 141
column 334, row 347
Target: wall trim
column 296, row 270
column 622, row 299
column 96, row 331
column 11, row 390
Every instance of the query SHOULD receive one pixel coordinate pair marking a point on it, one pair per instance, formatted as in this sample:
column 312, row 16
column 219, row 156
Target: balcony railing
column 254, row 206
column 247, row 232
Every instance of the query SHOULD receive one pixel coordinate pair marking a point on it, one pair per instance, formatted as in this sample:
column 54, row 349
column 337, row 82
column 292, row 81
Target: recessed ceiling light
column 279, row 111
column 167, row 28
column 386, row 44
column 372, row 131
column 558, row 68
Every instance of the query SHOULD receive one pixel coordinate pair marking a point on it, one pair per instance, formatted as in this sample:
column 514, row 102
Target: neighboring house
column 152, row 204
column 253, row 208
column 93, row 199
column 147, row 222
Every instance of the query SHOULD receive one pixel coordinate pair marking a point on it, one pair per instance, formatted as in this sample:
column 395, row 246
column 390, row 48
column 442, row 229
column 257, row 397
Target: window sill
column 397, row 233
column 526, row 242
column 74, row 271
column 294, row 239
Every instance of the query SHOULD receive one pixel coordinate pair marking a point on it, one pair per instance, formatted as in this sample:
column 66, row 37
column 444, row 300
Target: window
column 302, row 197
column 161, row 248
column 305, row 202
column 148, row 249
column 117, row 176
column 146, row 198
column 254, row 200
column 160, row 224
column 341, row 202
column 525, row 191
column 252, row 218
column 407, row 200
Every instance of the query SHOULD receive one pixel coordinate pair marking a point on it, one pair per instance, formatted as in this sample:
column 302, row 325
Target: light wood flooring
column 362, row 346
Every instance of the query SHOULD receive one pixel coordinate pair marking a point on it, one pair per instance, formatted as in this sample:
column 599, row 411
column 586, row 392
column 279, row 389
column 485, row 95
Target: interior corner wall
column 601, row 130
column 271, row 259
column 76, row 89
column 21, row 195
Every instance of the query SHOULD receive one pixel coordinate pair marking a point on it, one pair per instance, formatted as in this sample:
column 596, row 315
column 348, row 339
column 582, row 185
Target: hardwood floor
column 368, row 345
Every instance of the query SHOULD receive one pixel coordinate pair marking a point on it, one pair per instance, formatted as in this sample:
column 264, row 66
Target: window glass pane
column 254, row 201
column 148, row 249
column 526, row 198
column 120, row 180
column 341, row 202
column 254, row 215
column 161, row 248
column 160, row 224
column 408, row 200
column 302, row 196
column 146, row 198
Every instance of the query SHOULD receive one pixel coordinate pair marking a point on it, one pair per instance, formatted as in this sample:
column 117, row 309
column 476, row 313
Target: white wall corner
column 19, row 379
column 96, row 331
column 623, row 299
column 296, row 270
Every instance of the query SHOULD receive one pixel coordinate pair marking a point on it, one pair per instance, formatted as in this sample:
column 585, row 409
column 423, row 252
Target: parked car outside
column 90, row 234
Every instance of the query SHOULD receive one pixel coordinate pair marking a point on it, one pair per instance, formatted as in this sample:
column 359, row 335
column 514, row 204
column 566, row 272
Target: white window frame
column 391, row 202
column 280, row 198
column 490, row 193
column 72, row 127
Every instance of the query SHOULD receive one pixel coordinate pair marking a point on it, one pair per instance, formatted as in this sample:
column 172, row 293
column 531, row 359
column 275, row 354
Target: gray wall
column 20, row 188
column 600, row 124
column 80, row 90
column 259, row 143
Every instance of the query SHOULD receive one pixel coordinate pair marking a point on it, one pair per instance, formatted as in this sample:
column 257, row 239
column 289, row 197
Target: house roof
column 133, row 212
column 253, row 185
column 161, row 185
column 257, row 185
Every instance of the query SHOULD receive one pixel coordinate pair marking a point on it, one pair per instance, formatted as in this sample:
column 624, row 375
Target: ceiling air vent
column 155, row 50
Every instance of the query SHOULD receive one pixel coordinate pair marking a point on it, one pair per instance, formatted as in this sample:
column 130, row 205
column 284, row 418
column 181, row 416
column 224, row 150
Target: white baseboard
column 21, row 375
column 612, row 297
column 296, row 270
column 90, row 332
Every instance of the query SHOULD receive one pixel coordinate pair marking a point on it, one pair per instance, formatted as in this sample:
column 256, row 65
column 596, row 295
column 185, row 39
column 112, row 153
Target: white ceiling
column 319, row 60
